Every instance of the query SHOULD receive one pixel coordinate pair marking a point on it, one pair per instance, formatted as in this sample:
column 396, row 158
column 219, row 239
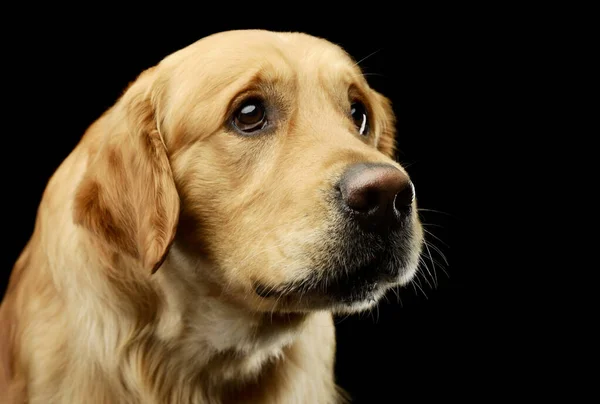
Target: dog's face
column 281, row 155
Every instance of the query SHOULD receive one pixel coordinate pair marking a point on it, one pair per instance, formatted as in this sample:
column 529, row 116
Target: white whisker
column 439, row 252
column 432, row 261
column 435, row 237
column 366, row 57
column 434, row 211
column 414, row 282
column 422, row 261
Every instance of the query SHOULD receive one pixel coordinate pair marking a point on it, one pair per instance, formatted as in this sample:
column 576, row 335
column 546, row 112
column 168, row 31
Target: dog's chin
column 345, row 294
column 370, row 298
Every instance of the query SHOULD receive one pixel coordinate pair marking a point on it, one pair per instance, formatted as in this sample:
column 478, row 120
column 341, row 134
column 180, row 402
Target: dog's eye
column 359, row 115
column 250, row 116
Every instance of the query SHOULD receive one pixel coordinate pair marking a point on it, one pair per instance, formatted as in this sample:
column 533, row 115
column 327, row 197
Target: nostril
column 363, row 199
column 405, row 197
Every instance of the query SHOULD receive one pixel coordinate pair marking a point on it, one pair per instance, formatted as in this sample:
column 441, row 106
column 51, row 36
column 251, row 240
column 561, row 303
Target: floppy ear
column 127, row 197
column 387, row 122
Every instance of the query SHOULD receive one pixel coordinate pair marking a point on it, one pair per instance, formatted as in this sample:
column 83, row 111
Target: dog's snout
column 379, row 193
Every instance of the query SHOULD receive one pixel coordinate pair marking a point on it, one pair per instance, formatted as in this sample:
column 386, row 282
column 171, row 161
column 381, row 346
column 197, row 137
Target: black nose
column 379, row 194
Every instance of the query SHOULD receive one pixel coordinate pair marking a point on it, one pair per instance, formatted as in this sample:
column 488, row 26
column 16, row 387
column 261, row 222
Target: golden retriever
column 195, row 244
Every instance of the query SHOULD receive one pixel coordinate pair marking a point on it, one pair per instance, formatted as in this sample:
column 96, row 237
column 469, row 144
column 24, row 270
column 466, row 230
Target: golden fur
column 137, row 283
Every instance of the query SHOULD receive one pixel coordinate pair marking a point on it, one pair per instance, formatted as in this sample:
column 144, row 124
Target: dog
column 196, row 243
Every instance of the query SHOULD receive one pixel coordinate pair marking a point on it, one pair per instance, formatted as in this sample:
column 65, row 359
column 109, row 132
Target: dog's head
column 268, row 156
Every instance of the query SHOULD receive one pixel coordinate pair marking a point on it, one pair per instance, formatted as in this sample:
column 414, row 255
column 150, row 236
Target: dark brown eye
column 250, row 117
column 359, row 116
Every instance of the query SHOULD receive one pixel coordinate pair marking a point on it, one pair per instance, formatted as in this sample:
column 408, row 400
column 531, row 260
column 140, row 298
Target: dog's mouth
column 361, row 285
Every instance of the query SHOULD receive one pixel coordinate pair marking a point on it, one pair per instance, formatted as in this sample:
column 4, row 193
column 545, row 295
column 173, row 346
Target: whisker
column 366, row 74
column 434, row 211
column 441, row 266
column 421, row 260
column 432, row 261
column 436, row 237
column 432, row 284
column 412, row 283
column 420, row 288
column 366, row 57
column 374, row 74
column 439, row 252
column 432, row 225
column 408, row 165
column 343, row 318
column 397, row 292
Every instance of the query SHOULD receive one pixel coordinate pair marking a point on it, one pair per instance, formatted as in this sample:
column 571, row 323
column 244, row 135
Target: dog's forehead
column 232, row 54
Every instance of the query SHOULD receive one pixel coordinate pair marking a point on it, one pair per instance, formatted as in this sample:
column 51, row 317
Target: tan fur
column 136, row 285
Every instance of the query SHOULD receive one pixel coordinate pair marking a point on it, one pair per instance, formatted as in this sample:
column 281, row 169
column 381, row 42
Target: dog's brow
column 344, row 85
column 263, row 81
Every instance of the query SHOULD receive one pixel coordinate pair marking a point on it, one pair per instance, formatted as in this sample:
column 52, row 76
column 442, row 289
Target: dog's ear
column 387, row 123
column 127, row 197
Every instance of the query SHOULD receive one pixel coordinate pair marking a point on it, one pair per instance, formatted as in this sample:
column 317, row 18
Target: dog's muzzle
column 371, row 247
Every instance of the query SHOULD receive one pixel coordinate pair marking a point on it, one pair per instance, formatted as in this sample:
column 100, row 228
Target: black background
column 445, row 73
